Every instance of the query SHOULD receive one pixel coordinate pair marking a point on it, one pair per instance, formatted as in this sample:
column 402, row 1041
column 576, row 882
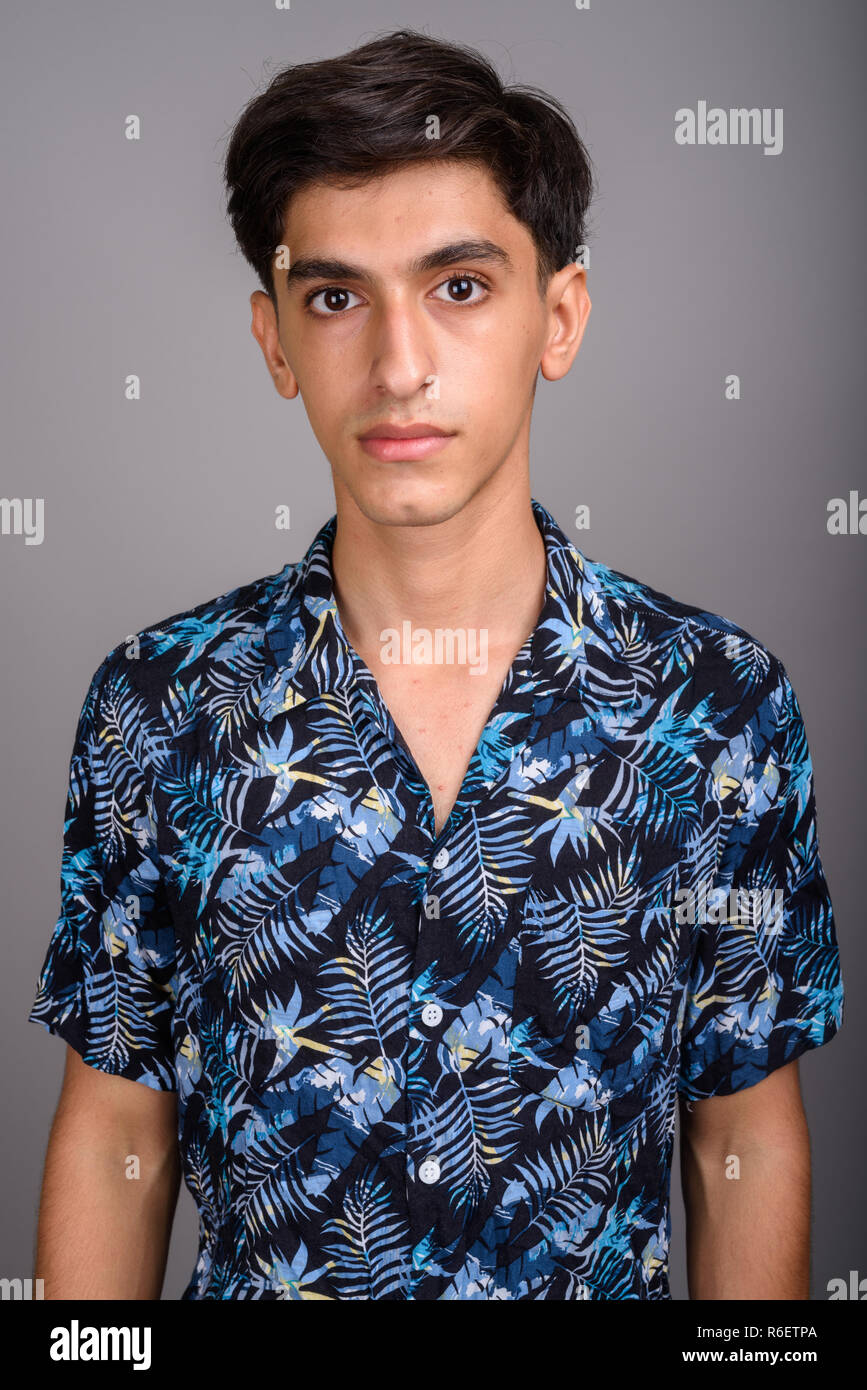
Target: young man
column 413, row 956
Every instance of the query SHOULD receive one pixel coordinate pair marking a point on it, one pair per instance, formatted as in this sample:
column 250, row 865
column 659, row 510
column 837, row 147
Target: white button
column 429, row 1170
column 431, row 1015
column 440, row 859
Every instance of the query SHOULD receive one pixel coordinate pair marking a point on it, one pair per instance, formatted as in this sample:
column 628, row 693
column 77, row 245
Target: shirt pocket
column 594, row 1013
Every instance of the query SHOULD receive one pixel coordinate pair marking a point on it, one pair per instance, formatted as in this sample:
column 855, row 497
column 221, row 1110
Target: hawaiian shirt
column 416, row 1065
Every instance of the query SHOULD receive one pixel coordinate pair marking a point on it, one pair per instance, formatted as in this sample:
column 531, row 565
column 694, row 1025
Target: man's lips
column 395, row 442
column 420, row 430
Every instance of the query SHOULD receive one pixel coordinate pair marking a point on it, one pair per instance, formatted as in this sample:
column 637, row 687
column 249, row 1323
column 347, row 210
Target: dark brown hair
column 344, row 120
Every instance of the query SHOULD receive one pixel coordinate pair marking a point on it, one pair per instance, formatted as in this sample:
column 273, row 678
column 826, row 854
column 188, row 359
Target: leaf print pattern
column 414, row 1065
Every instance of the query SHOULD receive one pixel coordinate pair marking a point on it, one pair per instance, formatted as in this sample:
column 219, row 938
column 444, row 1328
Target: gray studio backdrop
column 705, row 261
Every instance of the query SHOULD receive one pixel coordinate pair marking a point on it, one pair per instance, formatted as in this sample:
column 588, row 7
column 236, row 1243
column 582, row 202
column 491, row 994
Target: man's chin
column 408, row 495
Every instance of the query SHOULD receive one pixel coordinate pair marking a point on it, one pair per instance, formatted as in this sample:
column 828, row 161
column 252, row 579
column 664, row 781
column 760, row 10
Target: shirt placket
column 436, row 1228
column 433, row 1078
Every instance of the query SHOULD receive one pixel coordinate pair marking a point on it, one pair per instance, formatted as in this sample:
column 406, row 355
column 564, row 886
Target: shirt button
column 440, row 859
column 429, row 1171
column 431, row 1015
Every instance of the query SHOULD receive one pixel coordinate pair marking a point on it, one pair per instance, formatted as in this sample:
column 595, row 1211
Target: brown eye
column 465, row 287
column 335, row 301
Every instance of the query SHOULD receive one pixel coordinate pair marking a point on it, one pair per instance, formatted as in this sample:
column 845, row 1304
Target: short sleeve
column 106, row 986
column 766, row 982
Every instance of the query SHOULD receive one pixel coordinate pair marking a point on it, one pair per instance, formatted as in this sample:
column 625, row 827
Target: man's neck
column 483, row 569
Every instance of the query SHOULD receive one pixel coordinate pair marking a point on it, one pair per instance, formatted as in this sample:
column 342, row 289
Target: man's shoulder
column 734, row 674
column 661, row 611
column 226, row 631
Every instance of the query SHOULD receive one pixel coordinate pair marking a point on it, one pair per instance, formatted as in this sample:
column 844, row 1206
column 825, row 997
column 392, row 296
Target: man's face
column 403, row 328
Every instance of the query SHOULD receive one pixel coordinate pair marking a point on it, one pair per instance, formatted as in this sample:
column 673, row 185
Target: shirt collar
column 574, row 653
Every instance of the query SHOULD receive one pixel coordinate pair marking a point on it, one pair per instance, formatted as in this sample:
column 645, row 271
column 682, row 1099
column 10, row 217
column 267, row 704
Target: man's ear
column 568, row 306
column 265, row 330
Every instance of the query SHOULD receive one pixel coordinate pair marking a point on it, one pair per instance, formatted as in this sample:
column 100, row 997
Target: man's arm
column 748, row 1236
column 101, row 1233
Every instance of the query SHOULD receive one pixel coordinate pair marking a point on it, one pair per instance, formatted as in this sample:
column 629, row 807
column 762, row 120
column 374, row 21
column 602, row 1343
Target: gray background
column 705, row 261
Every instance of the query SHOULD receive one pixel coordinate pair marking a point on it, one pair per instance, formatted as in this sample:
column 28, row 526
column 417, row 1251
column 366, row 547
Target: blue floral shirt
column 413, row 1065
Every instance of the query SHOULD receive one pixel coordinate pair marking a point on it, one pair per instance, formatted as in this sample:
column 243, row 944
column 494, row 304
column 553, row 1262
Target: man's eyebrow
column 467, row 250
column 317, row 268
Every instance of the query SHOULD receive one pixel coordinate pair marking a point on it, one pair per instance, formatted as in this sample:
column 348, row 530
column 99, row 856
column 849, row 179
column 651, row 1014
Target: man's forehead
column 430, row 204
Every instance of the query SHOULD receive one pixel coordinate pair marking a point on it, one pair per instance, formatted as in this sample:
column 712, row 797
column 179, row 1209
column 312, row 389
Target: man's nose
column 402, row 357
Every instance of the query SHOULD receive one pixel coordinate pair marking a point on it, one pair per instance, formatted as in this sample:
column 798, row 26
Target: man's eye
column 460, row 289
column 331, row 293
column 465, row 285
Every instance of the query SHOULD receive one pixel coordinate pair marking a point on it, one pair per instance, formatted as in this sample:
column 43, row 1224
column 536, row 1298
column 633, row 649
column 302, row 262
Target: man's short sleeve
column 766, row 982
column 106, row 984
